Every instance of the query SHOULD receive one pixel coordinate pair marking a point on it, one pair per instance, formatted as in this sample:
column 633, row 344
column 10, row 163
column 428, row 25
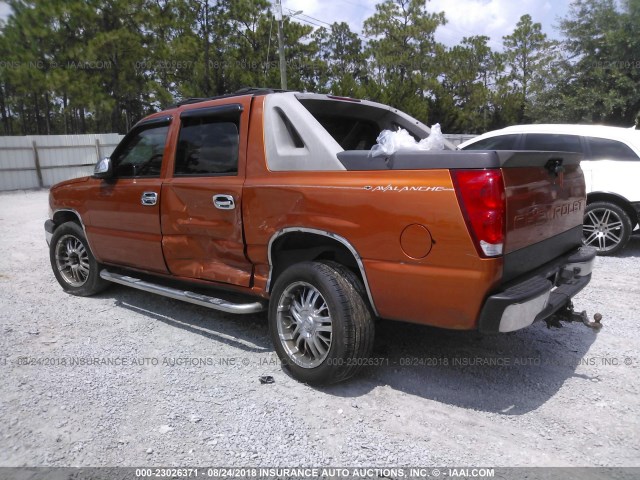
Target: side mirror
column 103, row 168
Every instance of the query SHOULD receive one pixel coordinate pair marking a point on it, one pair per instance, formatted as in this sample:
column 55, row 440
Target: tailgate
column 545, row 196
column 545, row 201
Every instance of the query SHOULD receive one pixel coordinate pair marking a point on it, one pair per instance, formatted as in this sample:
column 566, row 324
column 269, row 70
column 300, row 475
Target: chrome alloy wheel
column 304, row 324
column 72, row 260
column 602, row 229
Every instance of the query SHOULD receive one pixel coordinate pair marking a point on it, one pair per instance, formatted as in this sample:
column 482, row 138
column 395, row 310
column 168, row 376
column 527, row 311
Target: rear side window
column 207, row 146
column 552, row 142
column 501, row 142
column 605, row 149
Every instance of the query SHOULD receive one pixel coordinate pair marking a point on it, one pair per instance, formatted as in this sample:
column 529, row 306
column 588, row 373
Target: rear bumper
column 539, row 295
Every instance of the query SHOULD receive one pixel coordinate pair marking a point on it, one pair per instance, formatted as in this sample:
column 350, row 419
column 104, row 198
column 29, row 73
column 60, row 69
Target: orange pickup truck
column 269, row 200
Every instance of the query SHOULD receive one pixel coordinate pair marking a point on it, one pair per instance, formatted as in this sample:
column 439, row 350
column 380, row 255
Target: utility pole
column 283, row 64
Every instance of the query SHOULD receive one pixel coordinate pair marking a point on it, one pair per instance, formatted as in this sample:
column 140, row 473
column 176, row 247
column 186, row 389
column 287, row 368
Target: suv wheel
column 74, row 266
column 319, row 323
column 606, row 227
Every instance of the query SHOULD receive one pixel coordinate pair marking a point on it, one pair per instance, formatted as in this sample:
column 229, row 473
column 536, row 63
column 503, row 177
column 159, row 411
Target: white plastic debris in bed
column 435, row 141
column 389, row 142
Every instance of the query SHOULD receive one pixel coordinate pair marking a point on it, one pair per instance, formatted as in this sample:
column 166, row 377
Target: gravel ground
column 182, row 387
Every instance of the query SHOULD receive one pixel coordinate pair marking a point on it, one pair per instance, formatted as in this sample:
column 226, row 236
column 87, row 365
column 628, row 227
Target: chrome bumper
column 539, row 296
column 521, row 315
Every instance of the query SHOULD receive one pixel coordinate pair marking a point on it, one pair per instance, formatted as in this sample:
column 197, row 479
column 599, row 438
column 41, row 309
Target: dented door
column 201, row 211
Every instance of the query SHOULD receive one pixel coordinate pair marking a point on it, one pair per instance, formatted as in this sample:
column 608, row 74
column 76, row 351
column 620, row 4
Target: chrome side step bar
column 184, row 295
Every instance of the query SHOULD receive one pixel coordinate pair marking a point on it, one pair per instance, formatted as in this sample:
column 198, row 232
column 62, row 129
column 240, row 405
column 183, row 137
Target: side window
column 141, row 154
column 501, row 142
column 207, row 146
column 552, row 142
column 605, row 149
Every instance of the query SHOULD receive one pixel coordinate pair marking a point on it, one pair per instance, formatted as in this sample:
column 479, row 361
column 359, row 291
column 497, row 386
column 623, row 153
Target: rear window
column 355, row 125
column 605, row 149
column 500, row 142
column 552, row 142
column 351, row 133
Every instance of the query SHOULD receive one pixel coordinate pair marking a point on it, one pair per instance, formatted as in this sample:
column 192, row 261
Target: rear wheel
column 319, row 322
column 607, row 227
column 74, row 266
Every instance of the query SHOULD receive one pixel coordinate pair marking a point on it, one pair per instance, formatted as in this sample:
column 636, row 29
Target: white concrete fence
column 39, row 161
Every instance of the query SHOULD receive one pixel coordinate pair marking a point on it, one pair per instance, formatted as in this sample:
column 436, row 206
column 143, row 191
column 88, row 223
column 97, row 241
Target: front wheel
column 74, row 266
column 319, row 323
column 607, row 227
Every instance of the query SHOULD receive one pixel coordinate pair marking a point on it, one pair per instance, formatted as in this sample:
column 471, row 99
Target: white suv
column 611, row 168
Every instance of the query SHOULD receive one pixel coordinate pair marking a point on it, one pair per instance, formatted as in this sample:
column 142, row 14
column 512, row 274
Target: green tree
column 303, row 63
column 27, row 66
column 341, row 50
column 528, row 56
column 402, row 55
column 471, row 72
column 602, row 71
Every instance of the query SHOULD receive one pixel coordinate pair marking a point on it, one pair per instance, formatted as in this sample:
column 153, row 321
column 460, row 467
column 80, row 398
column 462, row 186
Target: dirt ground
column 129, row 378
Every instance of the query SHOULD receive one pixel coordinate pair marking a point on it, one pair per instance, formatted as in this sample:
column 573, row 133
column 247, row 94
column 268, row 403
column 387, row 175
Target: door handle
column 149, row 198
column 224, row 202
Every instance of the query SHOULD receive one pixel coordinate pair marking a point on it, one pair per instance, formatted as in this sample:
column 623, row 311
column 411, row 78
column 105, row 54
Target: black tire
column 607, row 227
column 350, row 342
column 353, row 279
column 73, row 263
column 348, row 274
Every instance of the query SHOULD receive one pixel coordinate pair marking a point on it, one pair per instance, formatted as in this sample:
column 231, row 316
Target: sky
column 493, row 18
column 4, row 10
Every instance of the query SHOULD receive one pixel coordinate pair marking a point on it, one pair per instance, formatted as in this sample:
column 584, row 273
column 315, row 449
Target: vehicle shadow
column 632, row 250
column 247, row 332
column 511, row 374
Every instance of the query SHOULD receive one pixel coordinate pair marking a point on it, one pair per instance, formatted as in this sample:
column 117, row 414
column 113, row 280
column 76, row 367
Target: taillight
column 482, row 200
